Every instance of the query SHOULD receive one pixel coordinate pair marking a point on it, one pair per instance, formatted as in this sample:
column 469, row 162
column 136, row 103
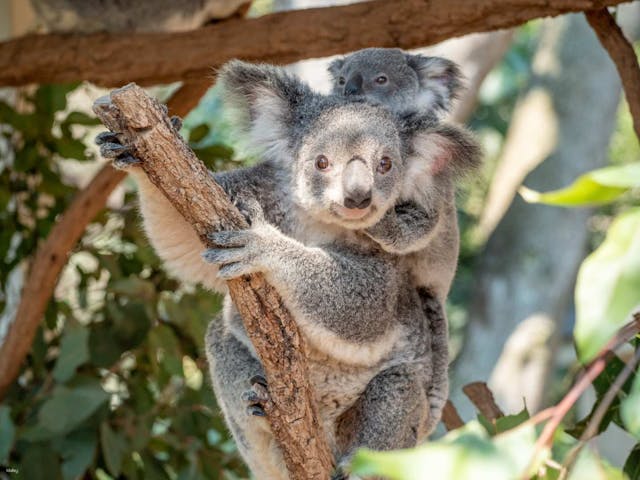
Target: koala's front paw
column 256, row 397
column 241, row 252
column 112, row 148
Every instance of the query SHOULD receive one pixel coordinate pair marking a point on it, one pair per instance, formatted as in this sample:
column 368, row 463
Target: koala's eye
column 322, row 162
column 385, row 165
column 342, row 81
column 381, row 79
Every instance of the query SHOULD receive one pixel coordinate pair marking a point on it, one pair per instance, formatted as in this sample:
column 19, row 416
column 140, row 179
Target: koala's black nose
column 358, row 200
column 353, row 86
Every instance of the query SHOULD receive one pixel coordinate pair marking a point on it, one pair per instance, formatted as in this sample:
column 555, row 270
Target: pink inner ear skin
column 440, row 160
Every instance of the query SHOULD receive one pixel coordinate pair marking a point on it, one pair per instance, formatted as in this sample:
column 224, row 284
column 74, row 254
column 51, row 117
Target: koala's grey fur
column 127, row 15
column 414, row 83
column 372, row 347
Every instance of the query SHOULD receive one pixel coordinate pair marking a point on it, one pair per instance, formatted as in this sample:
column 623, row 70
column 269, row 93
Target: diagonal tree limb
column 285, row 37
column 52, row 254
column 174, row 169
column 623, row 55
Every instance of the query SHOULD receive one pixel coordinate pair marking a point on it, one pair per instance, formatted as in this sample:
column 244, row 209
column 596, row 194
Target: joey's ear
column 263, row 102
column 335, row 67
column 440, row 81
column 447, row 149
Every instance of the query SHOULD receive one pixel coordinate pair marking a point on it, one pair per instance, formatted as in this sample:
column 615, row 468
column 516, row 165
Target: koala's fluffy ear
column 440, row 81
column 262, row 101
column 444, row 149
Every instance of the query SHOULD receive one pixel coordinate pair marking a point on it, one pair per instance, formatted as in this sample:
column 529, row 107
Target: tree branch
column 52, row 254
column 623, row 55
column 176, row 171
column 114, row 59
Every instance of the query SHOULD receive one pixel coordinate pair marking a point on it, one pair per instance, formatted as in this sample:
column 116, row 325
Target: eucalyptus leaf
column 114, row 448
column 630, row 410
column 74, row 351
column 68, row 407
column 632, row 464
column 593, row 188
column 589, row 466
column 608, row 286
column 468, row 452
column 78, row 450
column 7, row 433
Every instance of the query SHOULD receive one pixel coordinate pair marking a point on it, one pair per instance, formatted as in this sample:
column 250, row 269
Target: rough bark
column 52, row 254
column 285, row 37
column 176, row 171
column 622, row 53
column 526, row 274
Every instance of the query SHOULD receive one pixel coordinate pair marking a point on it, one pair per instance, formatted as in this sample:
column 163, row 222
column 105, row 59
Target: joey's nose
column 353, row 86
column 358, row 200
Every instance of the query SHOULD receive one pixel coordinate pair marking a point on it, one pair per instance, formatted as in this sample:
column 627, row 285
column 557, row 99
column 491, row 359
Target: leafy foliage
column 115, row 385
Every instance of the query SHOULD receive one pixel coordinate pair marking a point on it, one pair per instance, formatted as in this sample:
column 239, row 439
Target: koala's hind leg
column 438, row 386
column 392, row 413
column 232, row 369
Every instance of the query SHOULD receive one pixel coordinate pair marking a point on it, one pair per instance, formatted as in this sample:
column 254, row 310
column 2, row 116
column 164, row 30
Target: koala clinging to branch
column 331, row 169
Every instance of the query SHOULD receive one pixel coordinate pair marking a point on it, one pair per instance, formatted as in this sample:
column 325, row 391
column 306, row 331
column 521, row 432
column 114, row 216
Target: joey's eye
column 322, row 162
column 385, row 165
column 381, row 79
column 341, row 81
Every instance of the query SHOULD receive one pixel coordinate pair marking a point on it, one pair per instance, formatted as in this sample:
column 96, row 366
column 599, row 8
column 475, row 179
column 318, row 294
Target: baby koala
column 419, row 89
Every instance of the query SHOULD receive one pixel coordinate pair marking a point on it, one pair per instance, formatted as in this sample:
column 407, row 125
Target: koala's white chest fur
column 337, row 387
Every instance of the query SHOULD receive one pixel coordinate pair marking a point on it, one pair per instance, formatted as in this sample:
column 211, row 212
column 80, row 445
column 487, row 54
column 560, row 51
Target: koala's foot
column 112, row 148
column 256, row 397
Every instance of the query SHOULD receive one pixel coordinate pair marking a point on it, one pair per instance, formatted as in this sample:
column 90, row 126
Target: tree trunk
column 561, row 127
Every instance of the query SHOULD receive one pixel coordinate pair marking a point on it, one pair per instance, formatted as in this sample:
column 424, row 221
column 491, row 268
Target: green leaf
column 590, row 467
column 52, row 98
column 593, row 188
column 467, row 452
column 7, row 433
column 632, row 464
column 114, row 448
column 68, row 407
column 509, row 422
column 77, row 450
column 74, row 351
column 608, row 286
column 80, row 118
column 70, row 148
column 630, row 410
column 40, row 462
column 198, row 133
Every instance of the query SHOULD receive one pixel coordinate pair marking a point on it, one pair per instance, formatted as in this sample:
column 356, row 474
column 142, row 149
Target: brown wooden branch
column 623, row 55
column 450, row 417
column 176, row 171
column 152, row 58
column 52, row 254
column 482, row 399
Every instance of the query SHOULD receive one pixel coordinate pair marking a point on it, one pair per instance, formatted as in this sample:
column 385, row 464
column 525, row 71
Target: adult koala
column 331, row 169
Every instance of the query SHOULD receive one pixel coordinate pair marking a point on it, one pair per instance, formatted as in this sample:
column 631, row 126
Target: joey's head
column 348, row 168
column 403, row 82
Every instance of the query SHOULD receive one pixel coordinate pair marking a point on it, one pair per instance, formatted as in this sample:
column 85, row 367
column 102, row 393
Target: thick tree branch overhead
column 173, row 167
column 153, row 58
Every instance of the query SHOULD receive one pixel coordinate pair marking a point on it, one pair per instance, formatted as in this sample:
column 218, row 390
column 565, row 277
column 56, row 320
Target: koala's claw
column 176, row 122
column 112, row 149
column 256, row 397
column 106, row 137
column 125, row 161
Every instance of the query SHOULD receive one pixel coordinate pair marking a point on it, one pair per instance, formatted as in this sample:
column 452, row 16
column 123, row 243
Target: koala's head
column 347, row 160
column 401, row 81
